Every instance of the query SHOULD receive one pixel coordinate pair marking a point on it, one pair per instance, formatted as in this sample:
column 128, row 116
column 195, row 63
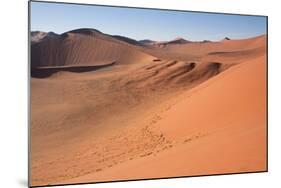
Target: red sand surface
column 110, row 108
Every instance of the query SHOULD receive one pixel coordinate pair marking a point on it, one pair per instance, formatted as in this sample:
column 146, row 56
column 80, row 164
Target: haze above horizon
column 139, row 24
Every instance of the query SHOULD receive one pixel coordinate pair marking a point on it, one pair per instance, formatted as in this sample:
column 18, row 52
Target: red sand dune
column 212, row 131
column 84, row 47
column 186, row 109
column 197, row 50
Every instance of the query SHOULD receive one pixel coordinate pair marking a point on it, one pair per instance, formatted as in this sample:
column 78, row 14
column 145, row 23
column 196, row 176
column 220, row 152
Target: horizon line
column 175, row 38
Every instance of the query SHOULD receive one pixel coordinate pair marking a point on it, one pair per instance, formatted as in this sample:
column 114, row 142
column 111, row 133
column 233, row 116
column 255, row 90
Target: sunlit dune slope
column 218, row 127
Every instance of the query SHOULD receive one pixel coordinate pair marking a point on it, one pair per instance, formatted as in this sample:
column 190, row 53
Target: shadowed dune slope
column 43, row 72
column 172, row 74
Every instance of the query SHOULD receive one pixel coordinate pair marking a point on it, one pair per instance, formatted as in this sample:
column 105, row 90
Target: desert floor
column 155, row 111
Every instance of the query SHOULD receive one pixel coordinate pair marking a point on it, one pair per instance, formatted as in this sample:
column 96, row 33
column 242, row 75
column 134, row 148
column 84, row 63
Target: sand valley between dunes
column 108, row 108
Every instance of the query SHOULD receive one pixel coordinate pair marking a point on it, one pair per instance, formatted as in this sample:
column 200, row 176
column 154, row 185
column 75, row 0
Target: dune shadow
column 43, row 72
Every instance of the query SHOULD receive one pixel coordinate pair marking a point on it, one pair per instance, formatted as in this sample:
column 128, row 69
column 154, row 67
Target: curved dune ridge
column 84, row 47
column 172, row 73
column 108, row 108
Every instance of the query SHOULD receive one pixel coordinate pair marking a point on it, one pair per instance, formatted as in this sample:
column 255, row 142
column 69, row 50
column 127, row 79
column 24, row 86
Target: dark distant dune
column 128, row 40
column 38, row 36
column 177, row 40
column 147, row 42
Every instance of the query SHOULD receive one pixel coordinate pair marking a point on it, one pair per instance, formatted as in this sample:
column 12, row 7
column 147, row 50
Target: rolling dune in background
column 107, row 108
column 84, row 47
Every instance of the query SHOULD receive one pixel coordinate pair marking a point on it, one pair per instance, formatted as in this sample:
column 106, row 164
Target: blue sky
column 140, row 24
